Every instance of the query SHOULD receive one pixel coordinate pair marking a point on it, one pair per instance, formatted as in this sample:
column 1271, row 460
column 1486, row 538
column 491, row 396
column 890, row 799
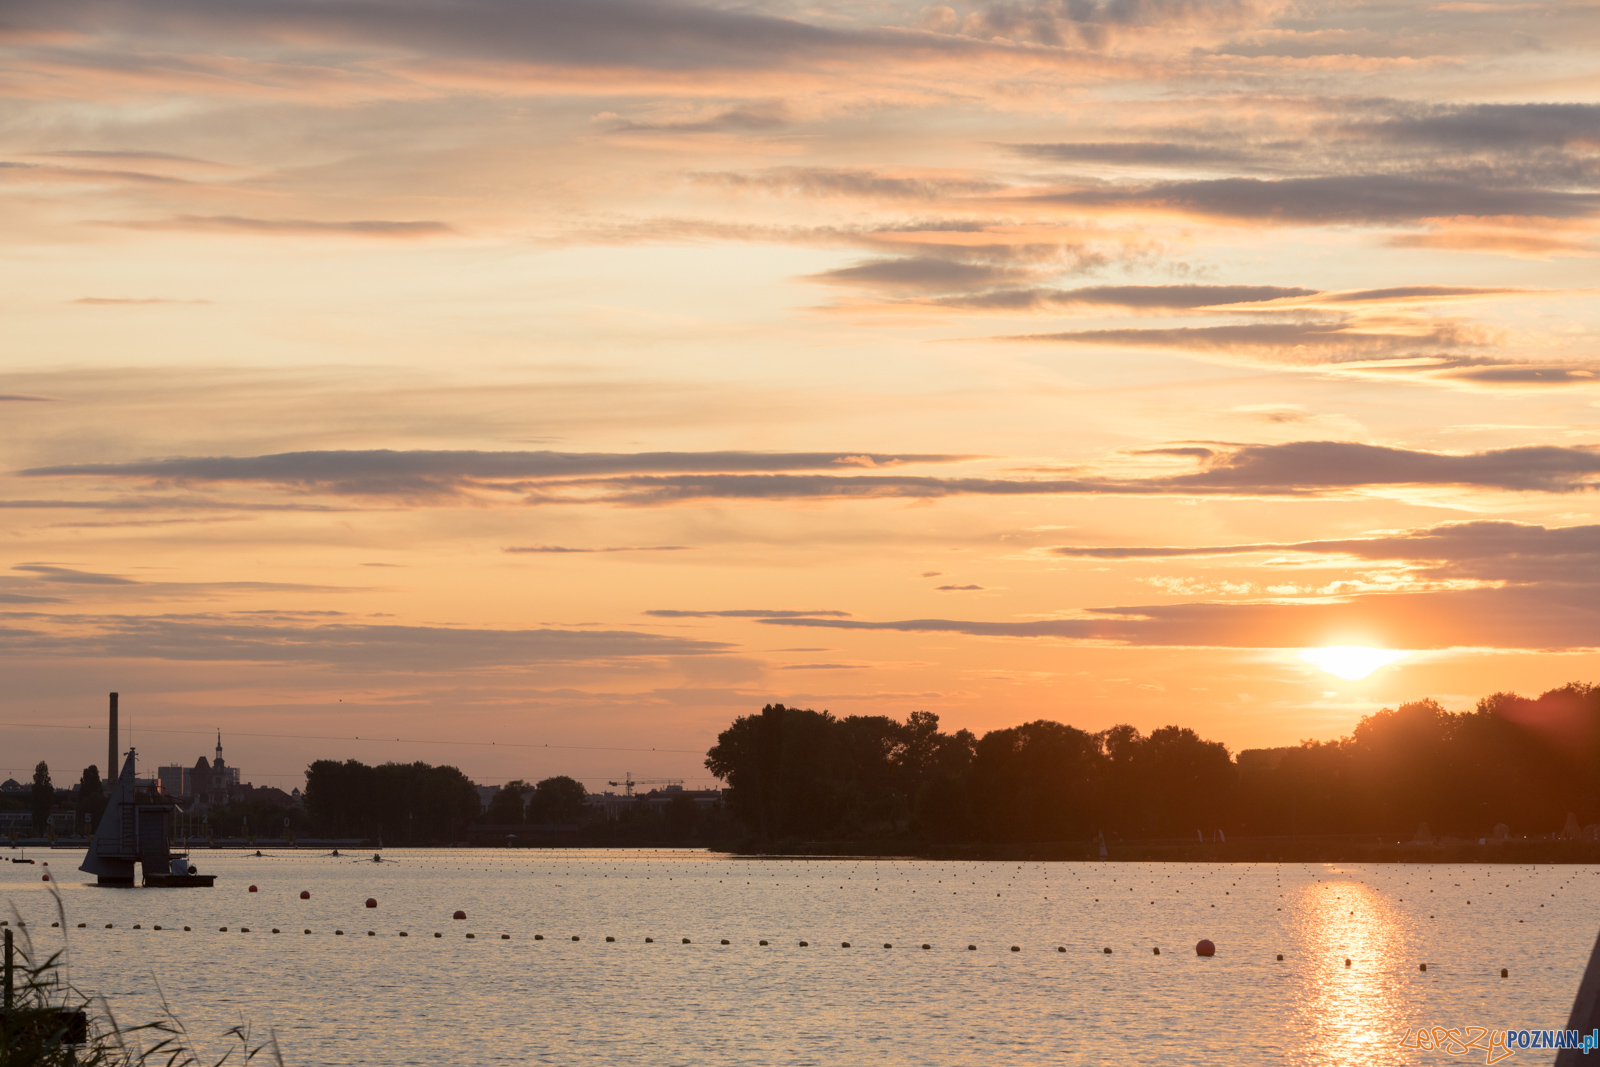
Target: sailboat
column 135, row 829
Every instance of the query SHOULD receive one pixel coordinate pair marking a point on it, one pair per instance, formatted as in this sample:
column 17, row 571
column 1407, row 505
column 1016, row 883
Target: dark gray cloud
column 1472, row 127
column 592, row 34
column 1521, row 374
column 922, row 273
column 1334, row 199
column 1302, row 468
column 67, row 576
column 1522, row 616
column 1490, row 550
column 1412, row 292
column 1093, row 23
column 1146, row 297
column 23, row 398
column 849, row 182
column 750, row 119
column 1152, row 153
column 274, row 638
column 563, row 549
column 286, row 227
column 743, row 613
column 1304, row 342
column 959, row 588
column 24, row 598
column 823, row 667
column 384, row 472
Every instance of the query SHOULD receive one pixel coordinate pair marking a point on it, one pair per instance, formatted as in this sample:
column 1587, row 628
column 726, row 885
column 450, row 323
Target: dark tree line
column 397, row 803
column 552, row 801
column 797, row 774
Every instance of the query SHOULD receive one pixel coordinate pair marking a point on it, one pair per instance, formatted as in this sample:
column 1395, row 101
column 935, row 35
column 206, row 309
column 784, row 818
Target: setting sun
column 1351, row 662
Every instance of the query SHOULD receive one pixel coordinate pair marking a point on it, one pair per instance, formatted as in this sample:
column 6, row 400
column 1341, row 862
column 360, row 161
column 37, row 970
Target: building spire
column 219, row 744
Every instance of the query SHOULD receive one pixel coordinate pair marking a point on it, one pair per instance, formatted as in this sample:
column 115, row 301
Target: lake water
column 387, row 999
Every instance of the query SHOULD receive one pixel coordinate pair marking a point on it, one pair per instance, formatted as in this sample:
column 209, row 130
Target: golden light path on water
column 1352, row 1014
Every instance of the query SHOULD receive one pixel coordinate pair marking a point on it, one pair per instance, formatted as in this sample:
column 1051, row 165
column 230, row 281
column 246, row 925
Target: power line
column 383, row 740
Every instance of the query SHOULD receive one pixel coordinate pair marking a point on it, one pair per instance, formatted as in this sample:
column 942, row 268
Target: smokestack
column 111, row 748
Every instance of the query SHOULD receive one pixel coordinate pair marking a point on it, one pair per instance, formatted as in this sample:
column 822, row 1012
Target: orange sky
column 585, row 374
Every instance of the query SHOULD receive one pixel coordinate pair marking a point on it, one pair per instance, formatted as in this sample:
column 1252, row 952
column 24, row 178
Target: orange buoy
column 1205, row 948
column 371, row 903
column 252, row 889
column 305, row 894
column 459, row 915
column 44, row 878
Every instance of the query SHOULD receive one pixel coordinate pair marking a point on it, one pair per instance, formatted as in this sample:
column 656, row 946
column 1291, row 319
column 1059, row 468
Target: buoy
column 222, row 929
column 574, row 937
column 536, row 937
column 52, row 924
column 1422, row 966
column 305, row 894
column 82, row 925
column 459, row 915
column 338, row 933
column 887, row 945
column 725, row 941
column 371, row 903
column 1155, row 951
column 274, row 930
column 1504, row 973
column 1280, row 955
column 610, row 939
column 763, row 942
column 244, row 929
column 404, row 934
column 304, row 931
column 186, row 930
column 371, row 934
column 686, row 941
column 805, row 944
column 108, row 926
column 972, row 948
column 1061, row 948
column 44, row 878
column 436, row 934
column 1347, row 963
column 505, row 937
column 252, row 889
column 136, row 926
column 471, row 936
column 1016, row 948
column 1205, row 948
column 1107, row 951
column 649, row 940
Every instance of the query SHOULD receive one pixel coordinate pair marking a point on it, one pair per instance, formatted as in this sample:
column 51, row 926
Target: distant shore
column 1364, row 849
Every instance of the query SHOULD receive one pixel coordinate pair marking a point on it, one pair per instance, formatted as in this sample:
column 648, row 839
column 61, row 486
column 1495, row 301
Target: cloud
column 440, row 473
column 1300, row 468
column 1521, row 617
column 1151, row 153
column 741, row 613
column 1302, row 342
column 922, row 273
column 286, row 227
column 1141, row 297
column 959, row 588
column 851, row 182
column 823, row 667
column 734, row 120
column 1489, row 550
column 23, row 398
column 68, row 576
column 257, row 637
column 1501, row 127
column 1361, row 199
column 562, row 549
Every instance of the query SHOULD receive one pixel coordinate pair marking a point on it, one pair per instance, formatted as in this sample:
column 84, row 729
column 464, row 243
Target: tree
column 558, row 800
column 43, row 797
column 507, row 807
column 91, row 801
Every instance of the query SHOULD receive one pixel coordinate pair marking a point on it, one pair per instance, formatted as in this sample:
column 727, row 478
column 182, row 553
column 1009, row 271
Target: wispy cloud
column 563, row 549
column 286, row 227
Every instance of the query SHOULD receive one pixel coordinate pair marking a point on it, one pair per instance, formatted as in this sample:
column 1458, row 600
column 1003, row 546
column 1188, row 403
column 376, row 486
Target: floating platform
column 155, row 880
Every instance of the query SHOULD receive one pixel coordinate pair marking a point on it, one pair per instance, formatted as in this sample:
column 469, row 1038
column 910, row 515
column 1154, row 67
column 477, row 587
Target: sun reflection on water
column 1351, row 1015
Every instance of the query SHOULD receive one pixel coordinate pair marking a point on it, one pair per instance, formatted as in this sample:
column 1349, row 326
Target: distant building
column 486, row 794
column 12, row 787
column 175, row 781
column 208, row 783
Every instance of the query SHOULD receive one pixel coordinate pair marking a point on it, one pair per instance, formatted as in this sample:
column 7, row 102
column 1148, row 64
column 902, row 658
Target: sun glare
column 1351, row 662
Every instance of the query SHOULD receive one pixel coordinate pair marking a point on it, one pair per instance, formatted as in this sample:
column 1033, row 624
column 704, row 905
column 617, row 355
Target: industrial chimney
column 111, row 749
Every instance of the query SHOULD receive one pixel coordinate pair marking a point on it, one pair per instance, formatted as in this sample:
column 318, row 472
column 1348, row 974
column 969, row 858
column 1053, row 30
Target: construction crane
column 629, row 781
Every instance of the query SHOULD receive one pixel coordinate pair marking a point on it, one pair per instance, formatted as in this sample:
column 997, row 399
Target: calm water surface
column 384, row 999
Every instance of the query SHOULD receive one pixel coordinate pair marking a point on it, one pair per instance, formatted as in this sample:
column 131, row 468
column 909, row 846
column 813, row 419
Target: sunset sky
column 586, row 373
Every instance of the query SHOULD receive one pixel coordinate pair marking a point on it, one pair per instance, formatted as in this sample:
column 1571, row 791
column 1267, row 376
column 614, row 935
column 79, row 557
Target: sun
column 1351, row 662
